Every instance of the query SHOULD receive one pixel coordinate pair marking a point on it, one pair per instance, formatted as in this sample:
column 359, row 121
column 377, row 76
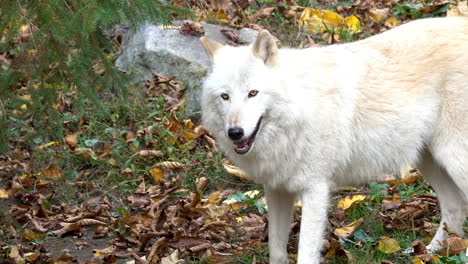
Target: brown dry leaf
column 72, row 140
column 350, row 202
column 148, row 153
column 388, row 245
column 461, row 9
column 453, row 245
column 348, row 230
column 233, row 170
column 104, row 152
column 15, row 255
column 261, row 14
column 391, row 203
column 90, row 222
column 378, row 14
column 215, row 211
column 85, row 153
column 172, row 259
column 170, row 165
column 52, row 171
column 202, row 182
column 4, row 194
column 130, row 136
column 156, row 173
column 127, row 172
column 67, row 227
column 192, row 28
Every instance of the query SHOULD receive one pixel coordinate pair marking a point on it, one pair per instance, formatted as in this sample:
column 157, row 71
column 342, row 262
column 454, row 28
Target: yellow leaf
column 190, row 135
column 332, row 17
column 388, row 245
column 31, row 235
column 218, row 15
column 239, row 219
column 48, row 145
column 347, row 189
column 353, row 23
column 417, row 261
column 348, row 230
column 214, row 197
column 392, row 22
column 314, row 19
column 156, row 173
column 349, row 202
column 4, row 194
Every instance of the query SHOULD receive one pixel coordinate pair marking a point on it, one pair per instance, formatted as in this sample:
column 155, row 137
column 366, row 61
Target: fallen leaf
column 348, row 230
column 316, row 20
column 104, row 152
column 453, row 245
column 392, row 22
column 388, row 245
column 233, row 170
column 202, row 182
column 353, row 23
column 156, row 173
column 48, row 145
column 350, row 202
column 52, row 171
column 4, row 193
column 391, row 203
column 72, row 140
column 85, row 153
column 172, row 259
column 170, row 165
column 377, row 14
column 148, row 153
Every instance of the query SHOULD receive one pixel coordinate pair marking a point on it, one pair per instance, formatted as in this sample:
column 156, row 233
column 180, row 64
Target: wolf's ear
column 265, row 48
column 211, row 46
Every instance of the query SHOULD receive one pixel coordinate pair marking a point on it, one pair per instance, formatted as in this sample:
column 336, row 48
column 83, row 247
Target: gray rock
column 153, row 49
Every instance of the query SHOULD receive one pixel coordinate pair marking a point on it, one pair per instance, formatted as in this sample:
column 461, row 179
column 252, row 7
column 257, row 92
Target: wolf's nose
column 236, row 133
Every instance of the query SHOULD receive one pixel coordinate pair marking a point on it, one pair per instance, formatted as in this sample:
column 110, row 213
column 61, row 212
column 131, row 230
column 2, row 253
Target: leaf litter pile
column 169, row 211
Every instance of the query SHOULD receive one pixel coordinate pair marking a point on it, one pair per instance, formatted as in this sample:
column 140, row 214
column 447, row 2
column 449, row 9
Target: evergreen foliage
column 52, row 47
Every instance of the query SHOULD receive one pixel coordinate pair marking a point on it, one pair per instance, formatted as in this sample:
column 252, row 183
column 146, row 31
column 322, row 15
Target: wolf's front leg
column 313, row 222
column 280, row 209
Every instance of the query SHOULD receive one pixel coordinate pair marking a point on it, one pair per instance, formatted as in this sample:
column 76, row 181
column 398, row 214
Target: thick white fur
column 345, row 114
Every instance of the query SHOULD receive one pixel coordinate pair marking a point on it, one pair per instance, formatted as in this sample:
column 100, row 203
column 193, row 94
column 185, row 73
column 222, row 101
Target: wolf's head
column 238, row 91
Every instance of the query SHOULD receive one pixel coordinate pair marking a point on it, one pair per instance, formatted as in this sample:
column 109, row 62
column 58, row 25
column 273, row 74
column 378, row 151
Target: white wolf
column 303, row 121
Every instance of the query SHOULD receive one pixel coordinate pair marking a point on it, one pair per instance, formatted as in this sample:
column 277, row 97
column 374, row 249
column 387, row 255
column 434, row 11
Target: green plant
column 250, row 199
column 57, row 47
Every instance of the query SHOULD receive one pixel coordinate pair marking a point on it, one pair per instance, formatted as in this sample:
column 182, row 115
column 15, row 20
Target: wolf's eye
column 253, row 93
column 225, row 96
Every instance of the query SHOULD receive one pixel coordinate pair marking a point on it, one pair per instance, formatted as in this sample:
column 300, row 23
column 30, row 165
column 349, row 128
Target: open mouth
column 243, row 146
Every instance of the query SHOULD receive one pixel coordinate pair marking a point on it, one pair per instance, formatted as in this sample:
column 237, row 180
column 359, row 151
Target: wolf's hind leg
column 451, row 197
